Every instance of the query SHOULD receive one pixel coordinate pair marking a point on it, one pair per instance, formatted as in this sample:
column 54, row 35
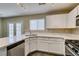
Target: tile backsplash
column 75, row 31
column 70, row 31
column 60, row 30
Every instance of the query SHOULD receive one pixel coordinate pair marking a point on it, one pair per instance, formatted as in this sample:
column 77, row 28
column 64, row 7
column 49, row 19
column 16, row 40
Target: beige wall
column 13, row 20
column 25, row 21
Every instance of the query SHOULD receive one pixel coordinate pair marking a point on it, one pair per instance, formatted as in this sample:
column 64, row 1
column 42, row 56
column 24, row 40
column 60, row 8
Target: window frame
column 37, row 24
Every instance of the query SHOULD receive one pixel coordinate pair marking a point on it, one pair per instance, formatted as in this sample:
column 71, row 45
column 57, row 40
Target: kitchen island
column 49, row 42
column 6, row 44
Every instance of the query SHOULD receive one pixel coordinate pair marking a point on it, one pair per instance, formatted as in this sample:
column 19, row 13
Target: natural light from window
column 37, row 24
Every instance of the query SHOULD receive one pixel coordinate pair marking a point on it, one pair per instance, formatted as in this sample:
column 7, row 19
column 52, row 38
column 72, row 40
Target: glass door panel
column 11, row 33
column 18, row 31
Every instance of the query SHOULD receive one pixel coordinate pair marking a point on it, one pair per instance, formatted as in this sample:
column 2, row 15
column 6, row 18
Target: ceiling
column 19, row 9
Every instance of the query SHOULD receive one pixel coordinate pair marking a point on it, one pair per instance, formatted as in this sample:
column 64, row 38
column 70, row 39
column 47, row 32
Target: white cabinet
column 56, row 21
column 53, row 45
column 57, row 47
column 42, row 44
column 27, row 47
column 30, row 45
column 71, row 21
column 77, row 9
column 33, row 44
column 63, row 20
column 46, row 44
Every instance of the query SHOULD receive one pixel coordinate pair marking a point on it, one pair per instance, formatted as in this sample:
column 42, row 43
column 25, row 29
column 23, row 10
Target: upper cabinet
column 56, row 21
column 71, row 21
column 77, row 9
column 63, row 20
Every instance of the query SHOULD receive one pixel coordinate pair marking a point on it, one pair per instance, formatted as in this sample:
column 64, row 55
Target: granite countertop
column 4, row 42
column 65, row 36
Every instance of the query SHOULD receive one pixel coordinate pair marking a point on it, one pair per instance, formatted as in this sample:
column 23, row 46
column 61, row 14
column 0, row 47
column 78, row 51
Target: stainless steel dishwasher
column 16, row 49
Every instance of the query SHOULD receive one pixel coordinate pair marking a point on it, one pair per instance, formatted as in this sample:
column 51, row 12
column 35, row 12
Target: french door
column 14, row 31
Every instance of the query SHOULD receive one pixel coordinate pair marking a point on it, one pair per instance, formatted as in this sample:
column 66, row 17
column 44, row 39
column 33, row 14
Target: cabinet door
column 56, row 21
column 71, row 23
column 77, row 10
column 27, row 47
column 56, row 45
column 42, row 44
column 33, row 44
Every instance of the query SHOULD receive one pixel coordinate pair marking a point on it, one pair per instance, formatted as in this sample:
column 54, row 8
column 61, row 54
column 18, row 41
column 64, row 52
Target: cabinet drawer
column 51, row 46
column 42, row 46
column 51, row 39
column 56, row 48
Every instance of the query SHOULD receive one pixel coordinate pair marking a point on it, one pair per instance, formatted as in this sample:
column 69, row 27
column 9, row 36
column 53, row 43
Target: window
column 11, row 33
column 37, row 24
column 33, row 24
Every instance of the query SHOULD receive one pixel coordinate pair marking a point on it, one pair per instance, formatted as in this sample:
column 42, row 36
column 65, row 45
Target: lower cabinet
column 3, row 51
column 56, row 48
column 51, row 45
column 30, row 45
column 33, row 44
column 43, row 46
column 27, row 49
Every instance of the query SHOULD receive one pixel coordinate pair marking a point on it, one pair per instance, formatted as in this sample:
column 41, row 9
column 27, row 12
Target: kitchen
column 39, row 29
